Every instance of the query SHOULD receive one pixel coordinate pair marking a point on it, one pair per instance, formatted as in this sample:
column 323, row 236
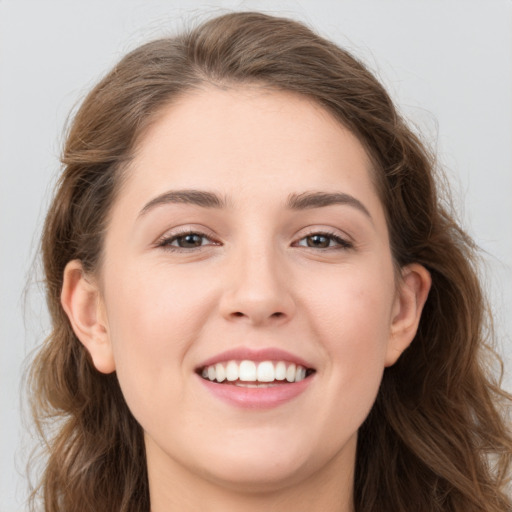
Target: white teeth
column 265, row 372
column 247, row 371
column 220, row 372
column 280, row 371
column 290, row 373
column 300, row 374
column 232, row 371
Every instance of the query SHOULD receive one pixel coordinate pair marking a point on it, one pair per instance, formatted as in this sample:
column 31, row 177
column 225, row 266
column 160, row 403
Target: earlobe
column 411, row 296
column 81, row 300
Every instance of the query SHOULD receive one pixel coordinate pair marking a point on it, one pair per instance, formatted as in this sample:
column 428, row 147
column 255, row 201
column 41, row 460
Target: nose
column 257, row 290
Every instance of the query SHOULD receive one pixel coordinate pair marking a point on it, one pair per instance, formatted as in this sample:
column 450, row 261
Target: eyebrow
column 195, row 197
column 205, row 199
column 309, row 200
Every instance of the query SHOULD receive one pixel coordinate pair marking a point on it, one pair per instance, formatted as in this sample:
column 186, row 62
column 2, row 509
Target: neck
column 174, row 487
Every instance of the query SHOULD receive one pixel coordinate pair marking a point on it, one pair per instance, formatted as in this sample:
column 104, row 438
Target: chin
column 261, row 474
column 273, row 464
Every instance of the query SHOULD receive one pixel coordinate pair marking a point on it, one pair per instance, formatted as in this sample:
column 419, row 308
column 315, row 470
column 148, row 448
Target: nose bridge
column 257, row 289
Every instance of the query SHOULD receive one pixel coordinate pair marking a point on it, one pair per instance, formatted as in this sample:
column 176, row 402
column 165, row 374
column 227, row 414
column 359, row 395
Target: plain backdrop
column 448, row 64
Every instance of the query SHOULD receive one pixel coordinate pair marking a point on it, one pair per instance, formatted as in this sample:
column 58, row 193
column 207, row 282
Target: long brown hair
column 436, row 438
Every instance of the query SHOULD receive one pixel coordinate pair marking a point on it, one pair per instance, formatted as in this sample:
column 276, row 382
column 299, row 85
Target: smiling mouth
column 251, row 374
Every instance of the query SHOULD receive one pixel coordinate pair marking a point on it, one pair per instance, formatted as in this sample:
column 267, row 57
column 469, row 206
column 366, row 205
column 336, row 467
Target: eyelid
column 343, row 241
column 169, row 236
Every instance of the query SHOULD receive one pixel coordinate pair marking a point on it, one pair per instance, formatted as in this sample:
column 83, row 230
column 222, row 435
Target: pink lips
column 265, row 354
column 257, row 397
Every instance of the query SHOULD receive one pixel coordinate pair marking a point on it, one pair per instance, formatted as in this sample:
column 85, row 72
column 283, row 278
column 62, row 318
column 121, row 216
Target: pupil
column 191, row 240
column 318, row 241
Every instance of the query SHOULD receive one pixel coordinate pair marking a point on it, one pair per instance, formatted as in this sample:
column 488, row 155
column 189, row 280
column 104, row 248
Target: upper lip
column 263, row 354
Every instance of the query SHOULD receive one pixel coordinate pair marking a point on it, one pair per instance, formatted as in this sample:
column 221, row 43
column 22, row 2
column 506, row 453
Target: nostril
column 277, row 314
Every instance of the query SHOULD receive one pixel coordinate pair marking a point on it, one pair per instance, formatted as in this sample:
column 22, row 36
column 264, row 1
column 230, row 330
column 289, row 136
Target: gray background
column 447, row 63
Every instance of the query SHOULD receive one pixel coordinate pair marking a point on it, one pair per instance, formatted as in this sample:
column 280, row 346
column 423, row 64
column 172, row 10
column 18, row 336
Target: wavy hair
column 437, row 437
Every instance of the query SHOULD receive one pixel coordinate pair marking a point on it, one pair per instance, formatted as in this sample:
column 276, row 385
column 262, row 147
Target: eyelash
column 166, row 242
column 341, row 243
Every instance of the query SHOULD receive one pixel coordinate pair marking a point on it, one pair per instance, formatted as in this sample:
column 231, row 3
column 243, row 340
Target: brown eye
column 324, row 241
column 189, row 241
column 185, row 241
column 318, row 241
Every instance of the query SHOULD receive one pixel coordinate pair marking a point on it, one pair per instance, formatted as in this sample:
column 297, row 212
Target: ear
column 411, row 296
column 82, row 302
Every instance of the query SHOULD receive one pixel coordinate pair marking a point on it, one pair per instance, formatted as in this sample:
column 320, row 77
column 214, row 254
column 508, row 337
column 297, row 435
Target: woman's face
column 249, row 240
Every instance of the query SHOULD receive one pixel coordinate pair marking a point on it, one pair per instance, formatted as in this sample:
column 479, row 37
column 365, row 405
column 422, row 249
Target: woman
column 259, row 301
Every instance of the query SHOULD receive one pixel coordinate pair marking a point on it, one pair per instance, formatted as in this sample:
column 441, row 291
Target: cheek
column 153, row 319
column 353, row 309
column 352, row 318
column 152, row 306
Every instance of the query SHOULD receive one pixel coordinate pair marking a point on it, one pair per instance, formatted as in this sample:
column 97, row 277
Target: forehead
column 254, row 149
column 242, row 134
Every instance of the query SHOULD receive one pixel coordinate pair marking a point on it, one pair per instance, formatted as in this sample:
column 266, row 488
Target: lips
column 241, row 353
column 255, row 378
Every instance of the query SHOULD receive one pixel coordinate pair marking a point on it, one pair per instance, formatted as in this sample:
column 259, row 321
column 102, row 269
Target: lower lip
column 257, row 398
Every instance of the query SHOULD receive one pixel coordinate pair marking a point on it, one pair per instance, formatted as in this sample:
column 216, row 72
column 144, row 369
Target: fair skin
column 262, row 265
